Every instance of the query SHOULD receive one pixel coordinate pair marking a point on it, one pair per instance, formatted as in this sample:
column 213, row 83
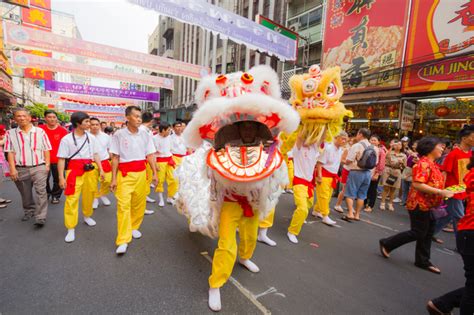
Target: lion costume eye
column 309, row 86
column 332, row 90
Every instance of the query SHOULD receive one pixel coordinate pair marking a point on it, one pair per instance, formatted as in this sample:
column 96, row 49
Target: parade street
column 333, row 270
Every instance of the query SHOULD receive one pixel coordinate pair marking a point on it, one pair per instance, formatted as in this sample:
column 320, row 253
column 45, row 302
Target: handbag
column 438, row 212
column 391, row 180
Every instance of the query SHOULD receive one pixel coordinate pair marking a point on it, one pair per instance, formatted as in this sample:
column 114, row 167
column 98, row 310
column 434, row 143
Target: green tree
column 38, row 109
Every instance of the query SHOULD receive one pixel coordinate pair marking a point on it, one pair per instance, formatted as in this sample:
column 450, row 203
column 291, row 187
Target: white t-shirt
column 304, row 161
column 145, row 128
column 132, row 146
column 70, row 143
column 331, row 158
column 162, row 146
column 104, row 144
column 177, row 145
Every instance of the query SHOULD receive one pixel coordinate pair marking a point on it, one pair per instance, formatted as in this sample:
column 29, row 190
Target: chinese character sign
column 440, row 45
column 36, row 16
column 366, row 39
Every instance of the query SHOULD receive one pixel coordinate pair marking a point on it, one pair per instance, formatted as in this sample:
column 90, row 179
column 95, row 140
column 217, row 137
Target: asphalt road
column 333, row 270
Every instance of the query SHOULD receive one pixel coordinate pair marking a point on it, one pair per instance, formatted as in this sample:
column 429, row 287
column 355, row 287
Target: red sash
column 180, row 155
column 309, row 184
column 76, row 168
column 168, row 159
column 243, row 202
column 133, row 166
column 106, row 166
column 335, row 177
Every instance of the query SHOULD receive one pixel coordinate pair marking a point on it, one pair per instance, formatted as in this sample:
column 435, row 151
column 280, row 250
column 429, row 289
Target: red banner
column 366, row 39
column 440, row 31
column 43, row 4
column 22, row 3
column 36, row 16
column 38, row 74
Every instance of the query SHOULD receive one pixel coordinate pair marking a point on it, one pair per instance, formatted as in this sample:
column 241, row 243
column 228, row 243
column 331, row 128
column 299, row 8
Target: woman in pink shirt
column 376, row 173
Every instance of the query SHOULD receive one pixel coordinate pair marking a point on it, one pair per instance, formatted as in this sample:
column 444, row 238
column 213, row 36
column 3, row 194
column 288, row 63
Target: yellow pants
column 104, row 184
column 291, row 168
column 268, row 221
column 87, row 186
column 149, row 178
column 131, row 202
column 166, row 174
column 232, row 216
column 178, row 160
column 323, row 196
column 303, row 204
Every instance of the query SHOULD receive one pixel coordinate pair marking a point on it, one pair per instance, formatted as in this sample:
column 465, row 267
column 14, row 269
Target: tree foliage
column 37, row 110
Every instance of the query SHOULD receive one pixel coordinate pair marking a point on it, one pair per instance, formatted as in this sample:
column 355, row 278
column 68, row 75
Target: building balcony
column 169, row 53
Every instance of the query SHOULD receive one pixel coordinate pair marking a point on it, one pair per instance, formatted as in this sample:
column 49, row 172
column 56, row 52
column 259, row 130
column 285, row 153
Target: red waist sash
column 168, row 159
column 130, row 167
column 76, row 168
column 243, row 202
column 106, row 166
column 335, row 177
column 180, row 155
column 309, row 184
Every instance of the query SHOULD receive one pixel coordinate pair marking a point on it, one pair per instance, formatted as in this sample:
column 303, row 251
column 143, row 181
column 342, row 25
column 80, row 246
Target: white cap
column 405, row 139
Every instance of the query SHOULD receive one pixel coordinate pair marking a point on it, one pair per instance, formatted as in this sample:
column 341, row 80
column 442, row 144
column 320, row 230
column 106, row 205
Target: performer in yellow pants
column 324, row 192
column 131, row 203
column 264, row 225
column 303, row 202
column 166, row 164
column 226, row 252
column 165, row 173
column 87, row 186
column 291, row 169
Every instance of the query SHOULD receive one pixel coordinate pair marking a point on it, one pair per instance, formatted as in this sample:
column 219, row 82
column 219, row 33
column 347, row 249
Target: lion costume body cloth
column 316, row 96
column 235, row 133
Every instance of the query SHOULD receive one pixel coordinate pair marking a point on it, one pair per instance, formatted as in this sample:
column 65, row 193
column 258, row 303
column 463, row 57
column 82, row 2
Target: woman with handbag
column 425, row 197
column 395, row 162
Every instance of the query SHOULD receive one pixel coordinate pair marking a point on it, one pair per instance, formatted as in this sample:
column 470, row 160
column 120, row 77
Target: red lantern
column 392, row 109
column 442, row 111
column 370, row 110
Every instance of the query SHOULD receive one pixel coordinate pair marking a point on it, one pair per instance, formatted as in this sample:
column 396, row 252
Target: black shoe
column 40, row 222
column 27, row 216
column 55, row 201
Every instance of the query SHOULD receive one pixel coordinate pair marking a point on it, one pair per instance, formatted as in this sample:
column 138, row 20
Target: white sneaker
column 251, row 266
column 339, row 209
column 292, row 238
column 149, row 212
column 263, row 238
column 397, row 200
column 161, row 203
column 327, row 220
column 284, row 191
column 89, row 221
column 170, row 201
column 317, row 214
column 136, row 234
column 122, row 249
column 150, row 200
column 95, row 204
column 290, row 191
column 105, row 201
column 214, row 299
column 70, row 236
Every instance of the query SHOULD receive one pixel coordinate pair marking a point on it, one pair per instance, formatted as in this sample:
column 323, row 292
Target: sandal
column 4, row 201
column 383, row 250
column 382, row 206
column 3, row 206
column 347, row 219
column 391, row 208
column 437, row 240
column 430, row 268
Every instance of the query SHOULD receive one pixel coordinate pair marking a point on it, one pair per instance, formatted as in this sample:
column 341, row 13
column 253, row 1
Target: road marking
column 243, row 290
column 445, row 251
column 379, row 225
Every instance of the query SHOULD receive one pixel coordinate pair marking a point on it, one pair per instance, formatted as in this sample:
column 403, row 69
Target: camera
column 88, row 167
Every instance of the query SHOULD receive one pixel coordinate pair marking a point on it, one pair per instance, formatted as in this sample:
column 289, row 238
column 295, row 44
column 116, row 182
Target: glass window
column 304, row 21
column 315, row 17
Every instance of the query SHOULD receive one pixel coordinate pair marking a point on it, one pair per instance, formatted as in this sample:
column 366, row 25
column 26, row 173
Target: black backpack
column 368, row 160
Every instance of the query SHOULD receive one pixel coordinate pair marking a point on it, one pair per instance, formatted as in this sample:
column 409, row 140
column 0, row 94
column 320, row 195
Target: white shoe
column 339, row 209
column 397, row 200
column 161, row 203
column 214, row 299
column 150, row 200
column 105, row 201
column 250, row 265
column 148, row 212
column 289, row 191
column 292, row 238
column 327, row 220
column 263, row 238
column 89, row 221
column 70, row 236
column 136, row 234
column 284, row 191
column 170, row 201
column 317, row 214
column 122, row 249
column 95, row 204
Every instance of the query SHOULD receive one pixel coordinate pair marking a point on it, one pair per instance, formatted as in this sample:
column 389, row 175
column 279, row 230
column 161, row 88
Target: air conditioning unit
column 294, row 27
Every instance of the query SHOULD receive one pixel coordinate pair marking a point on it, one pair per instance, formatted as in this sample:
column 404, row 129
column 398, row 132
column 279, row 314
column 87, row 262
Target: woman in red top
column 427, row 192
column 462, row 297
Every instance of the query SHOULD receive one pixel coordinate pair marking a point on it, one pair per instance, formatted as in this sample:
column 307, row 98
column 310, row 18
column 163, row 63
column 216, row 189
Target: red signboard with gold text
column 366, row 39
column 36, row 16
column 440, row 46
column 44, row 4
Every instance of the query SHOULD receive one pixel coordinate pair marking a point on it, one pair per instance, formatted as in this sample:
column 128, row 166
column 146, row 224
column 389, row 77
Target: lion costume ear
column 331, row 85
column 206, row 90
column 296, row 85
column 266, row 79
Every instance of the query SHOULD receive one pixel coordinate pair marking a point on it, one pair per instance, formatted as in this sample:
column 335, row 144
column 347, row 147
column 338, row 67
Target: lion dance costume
column 236, row 175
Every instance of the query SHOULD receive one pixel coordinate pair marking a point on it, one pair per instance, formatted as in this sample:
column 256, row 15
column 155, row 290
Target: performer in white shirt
column 147, row 125
column 179, row 151
column 130, row 148
column 104, row 145
column 80, row 149
column 166, row 164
